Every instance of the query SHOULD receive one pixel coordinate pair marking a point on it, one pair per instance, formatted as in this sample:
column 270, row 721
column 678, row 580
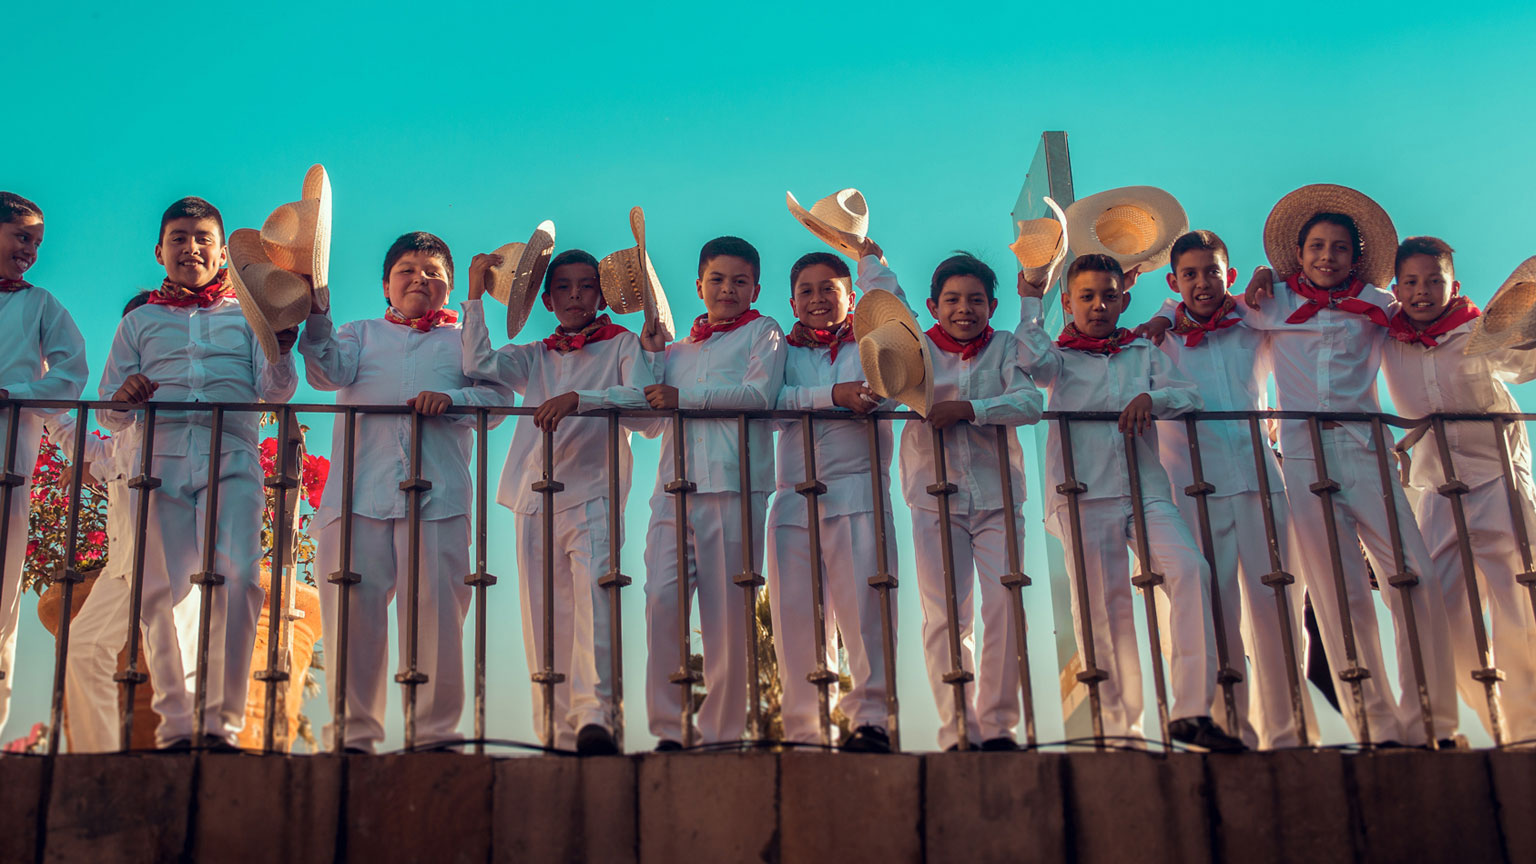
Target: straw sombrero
column 1510, row 317
column 1042, row 245
column 297, row 236
column 1376, row 230
column 630, row 283
column 273, row 298
column 516, row 280
column 841, row 219
column 1135, row 225
column 893, row 350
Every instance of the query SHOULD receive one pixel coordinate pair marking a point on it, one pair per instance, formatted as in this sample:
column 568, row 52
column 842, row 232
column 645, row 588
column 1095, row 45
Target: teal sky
column 475, row 123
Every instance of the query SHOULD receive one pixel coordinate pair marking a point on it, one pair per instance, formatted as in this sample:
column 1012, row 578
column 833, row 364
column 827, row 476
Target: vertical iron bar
column 957, row 677
column 884, row 582
column 1147, row 580
column 1091, row 675
column 1015, row 581
column 209, row 578
column 547, row 677
column 1278, row 580
column 749, row 579
column 612, row 581
column 413, row 677
column 69, row 576
column 680, row 487
column 1516, row 512
column 480, row 579
column 8, row 485
column 1226, row 676
column 1354, row 673
column 813, row 489
column 274, row 676
column 131, row 677
column 344, row 579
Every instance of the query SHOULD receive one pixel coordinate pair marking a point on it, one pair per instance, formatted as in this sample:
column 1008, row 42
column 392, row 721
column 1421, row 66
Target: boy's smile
column 1327, row 256
column 574, row 295
column 1425, row 286
column 1202, row 277
column 963, row 308
column 821, row 298
column 19, row 240
column 1095, row 302
column 191, row 250
column 417, row 284
column 727, row 287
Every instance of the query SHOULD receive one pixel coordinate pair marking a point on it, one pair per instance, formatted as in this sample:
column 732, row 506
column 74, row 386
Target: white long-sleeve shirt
column 113, row 461
column 1443, row 379
column 612, row 373
column 1084, row 381
column 195, row 355
column 43, row 353
column 376, row 362
column 102, row 454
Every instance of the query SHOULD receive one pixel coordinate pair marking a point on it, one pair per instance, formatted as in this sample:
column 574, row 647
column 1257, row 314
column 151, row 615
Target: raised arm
column 509, row 367
column 330, row 359
column 1037, row 352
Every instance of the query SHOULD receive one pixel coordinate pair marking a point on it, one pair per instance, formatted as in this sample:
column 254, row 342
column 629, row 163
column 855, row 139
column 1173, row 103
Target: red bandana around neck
column 10, row 286
column 173, row 294
column 702, row 329
column 1110, row 345
column 966, row 350
column 1345, row 300
column 1185, row 324
column 600, row 328
column 426, row 322
column 802, row 336
column 1459, row 311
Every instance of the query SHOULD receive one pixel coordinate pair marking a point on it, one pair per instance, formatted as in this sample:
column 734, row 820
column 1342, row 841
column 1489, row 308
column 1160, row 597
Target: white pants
column 1108, row 527
column 582, row 634
column 851, row 606
column 714, row 549
column 28, row 436
column 1512, row 630
column 381, row 555
column 1361, row 514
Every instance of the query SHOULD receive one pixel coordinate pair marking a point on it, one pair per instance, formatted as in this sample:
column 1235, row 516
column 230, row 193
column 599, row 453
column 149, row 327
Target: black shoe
column 998, row 745
column 180, row 745
column 594, row 740
column 215, row 744
column 1449, row 744
column 955, row 748
column 355, row 751
column 867, row 739
column 1390, row 744
column 667, row 745
column 1203, row 733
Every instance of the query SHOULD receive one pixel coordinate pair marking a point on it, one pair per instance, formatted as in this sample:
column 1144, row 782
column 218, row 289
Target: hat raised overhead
column 841, row 219
column 1042, row 245
column 630, row 283
column 893, row 350
column 273, row 298
column 1135, row 225
column 297, row 236
column 1510, row 316
column 516, row 280
column 1377, row 233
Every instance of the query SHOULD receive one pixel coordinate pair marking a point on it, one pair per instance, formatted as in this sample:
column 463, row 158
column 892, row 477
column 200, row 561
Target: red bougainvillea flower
column 96, row 538
column 269, row 456
column 316, row 470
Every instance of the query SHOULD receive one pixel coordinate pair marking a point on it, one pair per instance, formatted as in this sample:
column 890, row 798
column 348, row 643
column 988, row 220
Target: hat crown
column 892, row 371
column 288, row 235
column 844, row 210
column 1127, row 229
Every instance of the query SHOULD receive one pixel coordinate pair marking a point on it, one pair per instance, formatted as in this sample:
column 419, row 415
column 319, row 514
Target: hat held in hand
column 630, row 283
column 515, row 282
column 1510, row 317
column 893, row 350
column 297, row 236
column 1042, row 245
column 272, row 297
column 1377, row 264
column 1135, row 225
column 841, row 219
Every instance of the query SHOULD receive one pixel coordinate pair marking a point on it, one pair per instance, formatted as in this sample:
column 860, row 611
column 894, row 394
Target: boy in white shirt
column 412, row 355
column 733, row 359
column 191, row 343
column 588, row 363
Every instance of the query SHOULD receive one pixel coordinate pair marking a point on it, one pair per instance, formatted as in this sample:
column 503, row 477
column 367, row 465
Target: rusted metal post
column 10, row 480
column 884, row 582
column 956, row 677
column 413, row 488
column 749, row 579
column 1516, row 512
column 208, row 578
column 1147, row 580
column 68, row 575
column 1199, row 489
column 480, row 579
column 344, row 579
column 684, row 677
column 1278, row 580
column 1016, row 581
column 131, row 677
column 547, row 677
column 276, row 672
column 813, row 489
column 1091, row 675
column 612, row 581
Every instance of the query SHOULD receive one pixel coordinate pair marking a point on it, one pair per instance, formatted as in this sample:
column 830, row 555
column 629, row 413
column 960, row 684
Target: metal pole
column 684, row 677
column 344, row 579
column 208, row 578
column 480, row 579
column 1278, row 580
column 547, row 677
column 1015, row 581
column 956, row 676
column 275, row 673
column 1226, row 676
column 1516, row 512
column 9, row 481
column 813, row 489
column 749, row 579
column 413, row 488
column 1354, row 673
column 1147, row 580
column 884, row 582
column 1091, row 675
column 69, row 576
column 131, row 677
column 612, row 581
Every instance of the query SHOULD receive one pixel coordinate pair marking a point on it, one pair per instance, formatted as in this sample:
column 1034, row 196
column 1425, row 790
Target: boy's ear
column 992, row 307
column 1125, row 301
column 757, row 288
column 1231, row 276
column 699, row 283
column 1173, row 282
column 933, row 308
column 549, row 304
column 158, row 258
column 1455, row 288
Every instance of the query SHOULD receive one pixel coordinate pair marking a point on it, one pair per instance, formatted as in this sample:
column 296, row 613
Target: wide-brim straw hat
column 1042, row 245
column 1135, row 225
column 630, row 283
column 893, row 350
column 1377, row 233
column 273, row 298
column 516, row 280
column 297, row 236
column 1509, row 319
column 841, row 219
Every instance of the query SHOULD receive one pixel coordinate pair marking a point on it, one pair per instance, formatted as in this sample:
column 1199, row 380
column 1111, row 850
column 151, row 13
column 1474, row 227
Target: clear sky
column 476, row 121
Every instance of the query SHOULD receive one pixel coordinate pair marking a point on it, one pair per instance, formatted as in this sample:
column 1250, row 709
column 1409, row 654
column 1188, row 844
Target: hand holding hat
column 630, row 283
column 1041, row 247
column 280, row 272
column 841, row 219
column 1509, row 321
column 518, row 274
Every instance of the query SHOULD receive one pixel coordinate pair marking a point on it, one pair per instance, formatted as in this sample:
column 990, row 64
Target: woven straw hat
column 516, row 280
column 1135, row 225
column 630, row 283
column 1042, row 245
column 893, row 350
column 841, row 219
column 273, row 298
column 1376, row 229
column 1510, row 318
column 297, row 236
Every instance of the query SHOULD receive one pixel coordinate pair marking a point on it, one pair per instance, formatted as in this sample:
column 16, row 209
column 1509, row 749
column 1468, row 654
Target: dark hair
column 136, row 301
column 734, row 247
column 191, row 207
column 1096, row 263
column 569, row 256
column 839, row 267
column 1434, row 247
column 1206, row 240
column 419, row 241
column 962, row 264
column 1339, row 219
column 13, row 205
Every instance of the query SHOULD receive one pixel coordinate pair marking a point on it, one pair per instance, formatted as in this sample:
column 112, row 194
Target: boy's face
column 1326, row 255
column 1095, row 301
column 1202, row 277
column 417, row 284
column 191, row 250
column 574, row 295
column 727, row 287
column 19, row 240
column 963, row 308
column 821, row 298
column 1425, row 286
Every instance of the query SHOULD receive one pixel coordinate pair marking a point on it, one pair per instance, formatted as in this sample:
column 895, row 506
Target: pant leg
column 373, row 559
column 722, row 620
column 442, row 603
column 171, row 556
column 788, row 576
column 584, row 533
column 1187, row 591
column 928, row 545
column 1269, row 712
column 663, row 618
column 1226, row 534
column 28, row 436
column 852, row 559
column 236, row 605
column 997, row 675
column 530, row 573
column 96, row 637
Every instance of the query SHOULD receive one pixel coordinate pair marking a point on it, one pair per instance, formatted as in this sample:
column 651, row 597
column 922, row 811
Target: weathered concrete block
column 21, row 788
column 1421, row 806
column 1281, row 806
column 1005, row 807
column 708, row 807
column 854, row 808
column 270, row 808
column 608, row 797
column 1140, row 807
column 1514, row 788
column 113, row 807
column 418, row 807
column 550, row 808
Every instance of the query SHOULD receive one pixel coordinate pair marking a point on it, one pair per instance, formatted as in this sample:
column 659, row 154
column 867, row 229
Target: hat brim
column 244, row 249
column 653, row 298
column 1045, row 274
column 843, row 241
column 1166, row 212
column 517, row 279
column 1509, row 319
column 1377, row 232
column 317, row 185
column 879, row 307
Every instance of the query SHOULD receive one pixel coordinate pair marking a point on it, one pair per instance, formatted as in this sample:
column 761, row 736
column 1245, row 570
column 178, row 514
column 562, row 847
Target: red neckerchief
column 802, row 336
column 1110, row 345
column 1193, row 330
column 174, row 294
column 425, row 323
column 1345, row 300
column 9, row 286
column 1458, row 312
column 702, row 329
column 966, row 350
column 600, row 328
